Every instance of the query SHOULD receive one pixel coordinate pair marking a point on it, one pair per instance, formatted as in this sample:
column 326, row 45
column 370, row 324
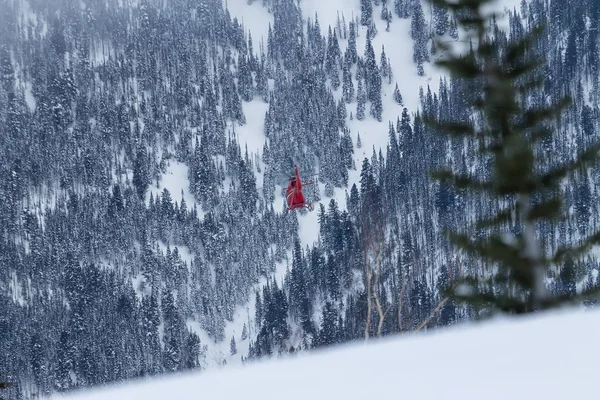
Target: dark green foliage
column 453, row 29
column 440, row 19
column 418, row 32
column 347, row 84
column 244, row 332
column 402, row 8
column 329, row 331
column 421, row 301
column 141, row 177
column 273, row 328
column 509, row 131
column 232, row 347
column 361, row 96
column 398, row 96
column 7, row 74
column 366, row 12
column 351, row 51
column 4, row 385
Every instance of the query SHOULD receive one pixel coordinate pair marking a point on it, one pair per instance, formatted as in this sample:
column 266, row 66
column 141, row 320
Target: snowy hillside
column 516, row 359
column 145, row 146
column 398, row 47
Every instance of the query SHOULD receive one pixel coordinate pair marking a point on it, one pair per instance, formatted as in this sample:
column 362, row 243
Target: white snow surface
column 547, row 356
column 254, row 17
column 176, row 181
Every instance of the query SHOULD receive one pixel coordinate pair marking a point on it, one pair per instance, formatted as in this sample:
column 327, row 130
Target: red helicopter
column 293, row 194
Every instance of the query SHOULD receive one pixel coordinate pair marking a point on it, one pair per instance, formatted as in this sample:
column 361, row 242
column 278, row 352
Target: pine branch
column 451, row 128
column 493, row 249
column 532, row 117
column 566, row 252
column 530, row 84
column 518, row 48
column 589, row 294
column 540, row 133
column 549, row 209
column 508, row 129
column 494, row 148
column 548, row 179
column 464, row 67
column 502, row 217
column 460, row 181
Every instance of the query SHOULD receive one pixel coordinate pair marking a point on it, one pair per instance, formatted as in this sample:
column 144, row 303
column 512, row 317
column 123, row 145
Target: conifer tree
column 366, row 12
column 232, row 346
column 529, row 188
column 384, row 12
column 361, row 96
column 398, row 96
column 351, row 51
column 141, row 178
column 402, row 8
column 383, row 61
column 453, row 29
column 440, row 20
column 418, row 32
column 244, row 332
column 376, row 104
column 347, row 84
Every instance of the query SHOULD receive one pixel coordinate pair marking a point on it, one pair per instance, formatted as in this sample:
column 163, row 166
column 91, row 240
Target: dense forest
column 99, row 97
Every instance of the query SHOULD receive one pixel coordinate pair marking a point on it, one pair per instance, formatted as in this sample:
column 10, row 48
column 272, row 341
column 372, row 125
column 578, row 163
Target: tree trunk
column 533, row 252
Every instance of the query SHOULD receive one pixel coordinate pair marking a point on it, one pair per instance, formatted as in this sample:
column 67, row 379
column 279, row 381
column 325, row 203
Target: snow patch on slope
column 175, row 180
column 255, row 19
column 16, row 289
column 251, row 135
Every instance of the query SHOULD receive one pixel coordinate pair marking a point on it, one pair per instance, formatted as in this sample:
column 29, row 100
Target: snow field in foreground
column 549, row 356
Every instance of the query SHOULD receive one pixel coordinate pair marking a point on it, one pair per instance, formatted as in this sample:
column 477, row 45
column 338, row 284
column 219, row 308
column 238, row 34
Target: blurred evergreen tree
column 516, row 266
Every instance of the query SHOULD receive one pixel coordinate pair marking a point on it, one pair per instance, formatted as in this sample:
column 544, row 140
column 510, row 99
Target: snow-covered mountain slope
column 398, row 47
column 504, row 359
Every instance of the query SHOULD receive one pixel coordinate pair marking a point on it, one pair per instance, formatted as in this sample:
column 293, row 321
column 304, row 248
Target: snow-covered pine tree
column 453, row 29
column 232, row 346
column 402, row 8
column 509, row 131
column 384, row 12
column 440, row 19
column 361, row 97
column 244, row 332
column 366, row 12
column 418, row 32
column 347, row 84
column 351, row 48
column 398, row 96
